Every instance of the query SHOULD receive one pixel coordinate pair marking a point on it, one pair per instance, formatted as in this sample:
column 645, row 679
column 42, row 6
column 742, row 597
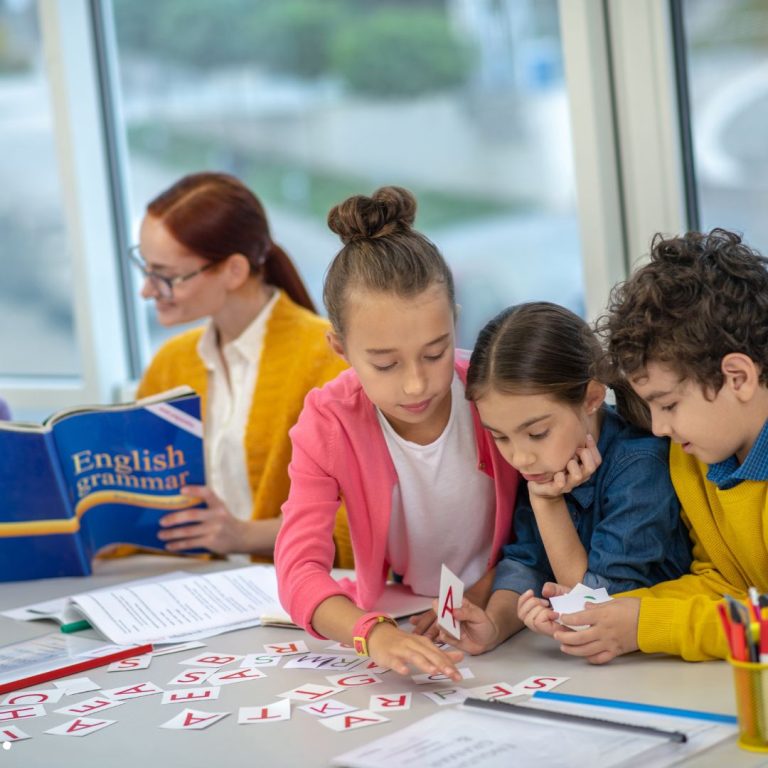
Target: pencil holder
column 750, row 682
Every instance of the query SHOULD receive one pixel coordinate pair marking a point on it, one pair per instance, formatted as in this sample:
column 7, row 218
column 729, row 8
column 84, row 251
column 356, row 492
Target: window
column 36, row 285
column 726, row 46
column 462, row 101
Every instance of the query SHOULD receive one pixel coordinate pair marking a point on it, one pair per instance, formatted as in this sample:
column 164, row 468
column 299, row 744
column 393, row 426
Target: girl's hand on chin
column 578, row 470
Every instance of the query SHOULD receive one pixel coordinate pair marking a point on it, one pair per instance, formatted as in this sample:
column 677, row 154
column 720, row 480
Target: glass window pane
column 727, row 57
column 36, row 284
column 461, row 101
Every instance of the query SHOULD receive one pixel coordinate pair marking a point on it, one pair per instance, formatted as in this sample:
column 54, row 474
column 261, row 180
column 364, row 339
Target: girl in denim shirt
column 599, row 507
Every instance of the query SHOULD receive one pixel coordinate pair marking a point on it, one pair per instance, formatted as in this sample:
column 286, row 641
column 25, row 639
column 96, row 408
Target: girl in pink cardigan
column 395, row 440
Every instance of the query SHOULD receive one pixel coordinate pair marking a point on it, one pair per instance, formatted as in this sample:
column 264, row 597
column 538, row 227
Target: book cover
column 93, row 477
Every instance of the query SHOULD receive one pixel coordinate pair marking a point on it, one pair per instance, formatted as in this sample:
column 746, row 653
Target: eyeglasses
column 162, row 284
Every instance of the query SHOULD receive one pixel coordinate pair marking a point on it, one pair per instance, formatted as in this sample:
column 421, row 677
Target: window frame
column 628, row 153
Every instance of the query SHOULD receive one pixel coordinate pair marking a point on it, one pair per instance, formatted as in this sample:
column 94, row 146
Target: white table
column 302, row 742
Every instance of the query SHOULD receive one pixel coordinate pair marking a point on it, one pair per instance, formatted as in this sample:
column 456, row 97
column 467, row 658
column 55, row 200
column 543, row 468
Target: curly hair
column 701, row 297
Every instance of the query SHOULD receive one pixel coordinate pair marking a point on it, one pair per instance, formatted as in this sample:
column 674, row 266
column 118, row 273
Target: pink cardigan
column 339, row 452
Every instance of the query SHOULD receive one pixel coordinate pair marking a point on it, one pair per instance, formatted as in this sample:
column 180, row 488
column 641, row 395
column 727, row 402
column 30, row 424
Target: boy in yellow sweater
column 689, row 331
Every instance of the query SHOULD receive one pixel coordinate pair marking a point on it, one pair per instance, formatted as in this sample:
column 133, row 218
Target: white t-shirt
column 443, row 506
column 230, row 395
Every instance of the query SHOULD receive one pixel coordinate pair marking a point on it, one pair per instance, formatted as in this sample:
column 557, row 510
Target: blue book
column 93, row 477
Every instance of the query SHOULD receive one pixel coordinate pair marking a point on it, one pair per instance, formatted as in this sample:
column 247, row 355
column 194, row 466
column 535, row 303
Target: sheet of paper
column 500, row 741
column 62, row 610
column 701, row 734
column 577, row 599
column 451, row 595
column 184, row 608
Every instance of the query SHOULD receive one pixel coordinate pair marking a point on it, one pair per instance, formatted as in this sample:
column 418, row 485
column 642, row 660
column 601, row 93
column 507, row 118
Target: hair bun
column 388, row 210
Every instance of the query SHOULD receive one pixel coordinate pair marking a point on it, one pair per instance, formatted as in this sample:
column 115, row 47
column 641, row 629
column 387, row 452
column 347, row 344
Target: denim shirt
column 626, row 515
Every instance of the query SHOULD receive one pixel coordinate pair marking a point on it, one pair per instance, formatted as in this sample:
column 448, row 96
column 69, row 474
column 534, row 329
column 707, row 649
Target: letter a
column 448, row 605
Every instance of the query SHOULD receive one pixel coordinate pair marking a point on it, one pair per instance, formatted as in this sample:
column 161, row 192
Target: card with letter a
column 451, row 595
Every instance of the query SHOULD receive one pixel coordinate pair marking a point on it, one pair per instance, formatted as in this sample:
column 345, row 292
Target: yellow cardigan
column 729, row 531
column 295, row 358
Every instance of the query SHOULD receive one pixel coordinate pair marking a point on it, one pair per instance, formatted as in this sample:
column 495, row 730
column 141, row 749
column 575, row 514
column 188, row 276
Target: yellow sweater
column 729, row 531
column 295, row 358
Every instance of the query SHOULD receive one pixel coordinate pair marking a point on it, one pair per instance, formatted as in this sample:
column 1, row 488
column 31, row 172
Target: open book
column 94, row 476
column 182, row 606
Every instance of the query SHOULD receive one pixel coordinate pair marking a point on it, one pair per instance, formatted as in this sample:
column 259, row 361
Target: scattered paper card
column 388, row 702
column 88, row 706
column 26, row 712
column 190, row 694
column 352, row 681
column 212, row 660
column 229, row 676
column 135, row 662
column 422, row 679
column 12, row 733
column 360, row 719
column 192, row 676
column 492, row 691
column 80, row 726
column 311, row 692
column 538, row 683
column 328, row 708
column 443, row 696
column 77, row 685
column 451, row 595
column 290, row 648
column 576, row 600
column 45, row 696
column 193, row 720
column 261, row 660
column 132, row 691
column 278, row 710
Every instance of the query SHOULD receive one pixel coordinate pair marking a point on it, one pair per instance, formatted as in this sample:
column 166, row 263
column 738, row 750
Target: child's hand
column 612, row 630
column 536, row 614
column 479, row 632
column 578, row 470
column 425, row 624
column 551, row 589
column 391, row 647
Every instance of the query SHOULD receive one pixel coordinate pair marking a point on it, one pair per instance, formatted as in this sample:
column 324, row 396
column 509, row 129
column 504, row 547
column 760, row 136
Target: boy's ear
column 334, row 342
column 595, row 396
column 741, row 375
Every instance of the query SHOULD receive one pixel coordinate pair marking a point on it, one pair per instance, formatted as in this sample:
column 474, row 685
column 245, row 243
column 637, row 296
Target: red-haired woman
column 205, row 251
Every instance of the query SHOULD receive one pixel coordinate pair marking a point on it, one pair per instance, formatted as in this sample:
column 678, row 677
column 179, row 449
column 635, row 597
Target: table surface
column 302, row 741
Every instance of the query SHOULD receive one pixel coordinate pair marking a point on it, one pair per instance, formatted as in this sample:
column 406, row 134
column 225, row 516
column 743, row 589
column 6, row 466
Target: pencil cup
column 750, row 682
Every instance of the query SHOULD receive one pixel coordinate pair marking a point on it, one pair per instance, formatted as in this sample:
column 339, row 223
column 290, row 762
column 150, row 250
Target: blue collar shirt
column 729, row 473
